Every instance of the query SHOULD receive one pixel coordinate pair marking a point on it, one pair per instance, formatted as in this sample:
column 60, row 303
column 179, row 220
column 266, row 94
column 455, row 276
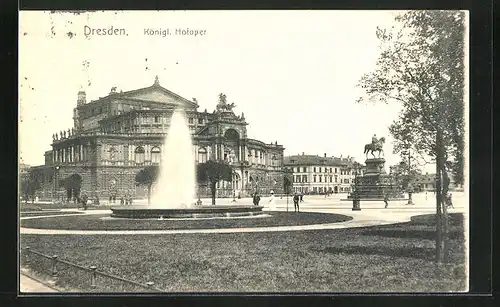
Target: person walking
column 256, row 199
column 84, row 199
column 122, row 201
column 449, row 202
column 386, row 200
column 272, row 205
column 296, row 203
column 301, row 197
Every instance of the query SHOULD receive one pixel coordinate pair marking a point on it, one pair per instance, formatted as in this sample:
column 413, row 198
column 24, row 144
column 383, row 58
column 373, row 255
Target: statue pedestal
column 375, row 182
column 375, row 167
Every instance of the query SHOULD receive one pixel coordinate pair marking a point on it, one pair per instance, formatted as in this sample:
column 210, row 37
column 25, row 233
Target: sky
column 292, row 73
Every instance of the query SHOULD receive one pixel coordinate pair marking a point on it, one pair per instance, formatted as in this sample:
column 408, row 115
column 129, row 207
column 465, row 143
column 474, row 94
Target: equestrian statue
column 375, row 145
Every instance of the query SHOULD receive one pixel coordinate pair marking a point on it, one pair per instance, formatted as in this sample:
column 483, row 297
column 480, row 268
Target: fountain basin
column 195, row 212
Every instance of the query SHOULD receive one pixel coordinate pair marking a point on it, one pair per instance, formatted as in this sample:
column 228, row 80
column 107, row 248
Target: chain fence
column 81, row 278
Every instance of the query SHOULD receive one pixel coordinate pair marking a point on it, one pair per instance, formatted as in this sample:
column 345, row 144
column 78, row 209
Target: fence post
column 54, row 265
column 27, row 257
column 93, row 277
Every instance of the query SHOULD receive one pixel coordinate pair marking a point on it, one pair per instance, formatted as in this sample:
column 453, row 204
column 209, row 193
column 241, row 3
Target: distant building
column 314, row 174
column 427, row 182
column 23, row 170
column 117, row 135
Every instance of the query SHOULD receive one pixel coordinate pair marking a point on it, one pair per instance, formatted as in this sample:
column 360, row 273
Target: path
column 372, row 213
column 28, row 284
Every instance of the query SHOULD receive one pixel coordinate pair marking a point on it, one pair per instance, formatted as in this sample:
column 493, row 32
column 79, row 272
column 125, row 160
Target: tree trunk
column 439, row 163
column 149, row 194
column 446, row 239
column 213, row 186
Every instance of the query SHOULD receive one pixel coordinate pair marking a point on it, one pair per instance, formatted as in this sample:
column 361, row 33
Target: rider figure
column 374, row 140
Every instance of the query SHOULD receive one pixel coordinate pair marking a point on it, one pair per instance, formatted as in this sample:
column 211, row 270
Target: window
column 320, row 178
column 139, row 155
column 331, row 178
column 304, row 178
column 200, row 121
column 297, row 178
column 330, row 170
column 202, row 155
column 155, row 155
column 314, row 169
column 314, row 178
column 304, row 169
column 335, row 170
column 191, row 121
column 112, row 154
column 157, row 119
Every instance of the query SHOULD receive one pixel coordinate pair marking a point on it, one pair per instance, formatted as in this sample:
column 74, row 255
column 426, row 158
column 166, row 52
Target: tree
column 212, row 172
column 421, row 66
column 31, row 183
column 72, row 184
column 147, row 176
column 287, row 181
column 404, row 176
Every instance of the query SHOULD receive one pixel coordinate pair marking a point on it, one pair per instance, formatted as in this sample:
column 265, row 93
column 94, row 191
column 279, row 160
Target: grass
column 46, row 213
column 391, row 258
column 96, row 222
column 42, row 206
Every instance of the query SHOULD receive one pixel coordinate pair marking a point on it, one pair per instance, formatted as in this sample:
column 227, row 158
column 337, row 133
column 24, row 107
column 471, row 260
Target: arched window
column 155, row 155
column 202, row 155
column 112, row 154
column 139, row 155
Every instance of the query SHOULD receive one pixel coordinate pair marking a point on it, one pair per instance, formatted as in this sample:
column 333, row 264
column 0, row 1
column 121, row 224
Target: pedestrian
column 449, row 202
column 386, row 200
column 301, row 197
column 84, row 201
column 272, row 205
column 122, row 201
column 426, row 195
column 257, row 197
column 296, row 202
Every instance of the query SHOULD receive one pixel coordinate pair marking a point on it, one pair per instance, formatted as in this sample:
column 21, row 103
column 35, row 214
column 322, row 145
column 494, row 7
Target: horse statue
column 375, row 146
column 222, row 105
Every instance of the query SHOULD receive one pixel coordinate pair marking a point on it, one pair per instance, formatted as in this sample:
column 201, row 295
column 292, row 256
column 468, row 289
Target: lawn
column 25, row 207
column 103, row 222
column 391, row 258
column 46, row 213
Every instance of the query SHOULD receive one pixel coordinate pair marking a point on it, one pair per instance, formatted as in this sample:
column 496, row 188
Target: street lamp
column 355, row 198
column 409, row 187
column 56, row 168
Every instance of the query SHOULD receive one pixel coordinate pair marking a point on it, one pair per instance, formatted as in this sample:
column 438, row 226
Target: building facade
column 313, row 174
column 116, row 136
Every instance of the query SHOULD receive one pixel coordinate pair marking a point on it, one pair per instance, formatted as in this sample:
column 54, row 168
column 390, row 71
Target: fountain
column 175, row 188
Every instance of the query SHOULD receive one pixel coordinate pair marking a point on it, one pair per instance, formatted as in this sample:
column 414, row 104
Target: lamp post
column 409, row 186
column 234, row 187
column 56, row 169
column 355, row 198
